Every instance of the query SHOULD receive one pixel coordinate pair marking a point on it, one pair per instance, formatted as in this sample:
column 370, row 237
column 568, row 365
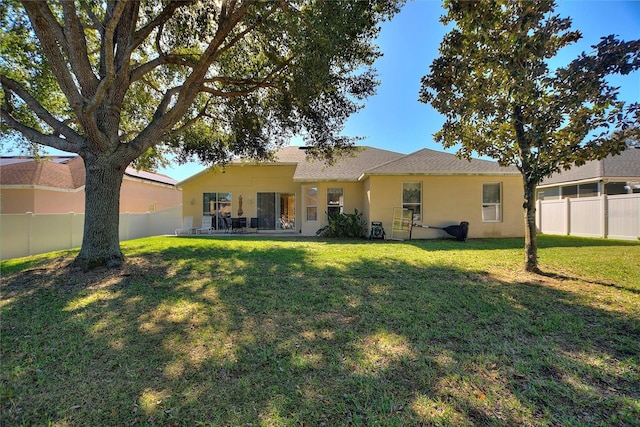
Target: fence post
column 70, row 229
column 638, row 214
column 604, row 222
column 567, row 216
column 124, row 220
column 29, row 219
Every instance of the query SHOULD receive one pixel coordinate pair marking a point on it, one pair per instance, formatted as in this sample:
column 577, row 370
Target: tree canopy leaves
column 493, row 84
column 120, row 75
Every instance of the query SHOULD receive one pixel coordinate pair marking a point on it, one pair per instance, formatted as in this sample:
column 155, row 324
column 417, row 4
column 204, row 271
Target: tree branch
column 166, row 100
column 58, row 127
column 76, row 48
column 51, row 37
column 96, row 22
column 107, row 59
column 193, row 83
column 186, row 125
column 164, row 120
column 141, row 70
column 166, row 14
column 247, row 30
column 38, row 137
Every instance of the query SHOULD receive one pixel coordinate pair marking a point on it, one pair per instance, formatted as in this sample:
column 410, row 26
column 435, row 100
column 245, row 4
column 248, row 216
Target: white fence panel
column 614, row 217
column 624, row 216
column 30, row 234
column 165, row 221
column 552, row 217
column 586, row 217
column 14, row 230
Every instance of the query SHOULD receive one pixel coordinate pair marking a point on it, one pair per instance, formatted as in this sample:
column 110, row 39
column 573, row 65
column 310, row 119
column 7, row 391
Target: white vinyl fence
column 30, row 234
column 613, row 217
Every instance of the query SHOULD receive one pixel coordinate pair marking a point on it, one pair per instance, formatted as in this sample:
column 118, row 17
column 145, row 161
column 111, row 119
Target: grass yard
column 248, row 331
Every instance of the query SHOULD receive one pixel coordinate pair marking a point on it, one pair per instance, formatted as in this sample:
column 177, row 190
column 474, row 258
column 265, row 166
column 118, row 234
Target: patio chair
column 254, row 224
column 187, row 226
column 238, row 225
column 207, row 226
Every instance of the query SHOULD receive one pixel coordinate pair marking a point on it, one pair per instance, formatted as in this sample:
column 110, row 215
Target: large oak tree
column 121, row 82
column 493, row 84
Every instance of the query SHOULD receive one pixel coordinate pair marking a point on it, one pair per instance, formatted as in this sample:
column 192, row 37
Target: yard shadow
column 544, row 241
column 229, row 336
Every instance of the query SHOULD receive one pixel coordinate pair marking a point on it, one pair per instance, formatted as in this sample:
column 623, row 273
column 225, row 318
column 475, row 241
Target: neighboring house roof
column 623, row 166
column 150, row 176
column 64, row 172
column 431, row 162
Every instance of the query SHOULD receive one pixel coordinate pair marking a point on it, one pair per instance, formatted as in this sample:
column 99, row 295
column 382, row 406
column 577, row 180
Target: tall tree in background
column 493, row 84
column 130, row 81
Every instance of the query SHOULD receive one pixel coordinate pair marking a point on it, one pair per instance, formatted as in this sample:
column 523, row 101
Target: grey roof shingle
column 347, row 168
column 624, row 165
column 374, row 161
column 431, row 162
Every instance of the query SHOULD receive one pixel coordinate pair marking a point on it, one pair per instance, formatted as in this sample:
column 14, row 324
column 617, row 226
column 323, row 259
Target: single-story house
column 598, row 199
column 294, row 194
column 56, row 185
column 619, row 174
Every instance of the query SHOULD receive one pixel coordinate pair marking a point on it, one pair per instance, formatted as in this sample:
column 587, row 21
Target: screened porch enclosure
column 276, row 211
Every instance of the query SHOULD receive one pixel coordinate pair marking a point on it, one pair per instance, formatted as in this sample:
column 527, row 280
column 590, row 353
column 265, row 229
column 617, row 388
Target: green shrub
column 343, row 225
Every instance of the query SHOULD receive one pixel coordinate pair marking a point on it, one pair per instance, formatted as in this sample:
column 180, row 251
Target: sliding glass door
column 276, row 211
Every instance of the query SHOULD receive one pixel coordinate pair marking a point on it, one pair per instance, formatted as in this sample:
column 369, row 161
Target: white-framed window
column 412, row 198
column 492, row 202
column 335, row 201
column 311, row 203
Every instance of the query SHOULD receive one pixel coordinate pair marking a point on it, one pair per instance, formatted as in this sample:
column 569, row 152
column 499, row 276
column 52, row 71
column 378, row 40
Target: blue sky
column 394, row 120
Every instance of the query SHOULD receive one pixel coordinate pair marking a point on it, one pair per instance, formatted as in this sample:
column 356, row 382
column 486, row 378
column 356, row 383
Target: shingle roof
column 624, row 165
column 150, row 176
column 58, row 172
column 431, row 162
column 347, row 168
column 374, row 161
column 291, row 154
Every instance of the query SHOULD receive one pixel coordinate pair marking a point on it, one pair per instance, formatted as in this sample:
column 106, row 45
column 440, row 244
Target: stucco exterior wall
column 16, row 201
column 56, row 201
column 448, row 200
column 39, row 200
column 245, row 181
column 141, row 196
column 353, row 199
column 248, row 180
column 135, row 196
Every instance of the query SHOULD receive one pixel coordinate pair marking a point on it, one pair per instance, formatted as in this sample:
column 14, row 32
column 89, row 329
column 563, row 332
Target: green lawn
column 240, row 331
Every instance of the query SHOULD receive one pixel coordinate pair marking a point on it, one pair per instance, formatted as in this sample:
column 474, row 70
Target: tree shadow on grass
column 544, row 241
column 230, row 334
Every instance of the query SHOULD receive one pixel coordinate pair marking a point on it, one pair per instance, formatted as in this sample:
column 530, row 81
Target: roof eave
column 308, row 180
column 588, row 180
column 441, row 174
column 41, row 187
column 232, row 164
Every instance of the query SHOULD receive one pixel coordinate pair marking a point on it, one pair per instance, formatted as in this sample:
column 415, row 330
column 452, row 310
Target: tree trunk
column 101, row 239
column 530, row 241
